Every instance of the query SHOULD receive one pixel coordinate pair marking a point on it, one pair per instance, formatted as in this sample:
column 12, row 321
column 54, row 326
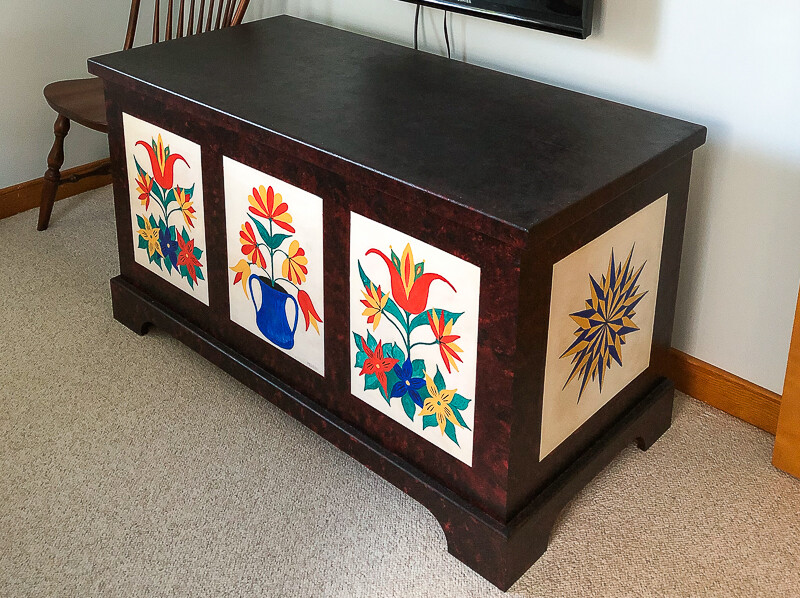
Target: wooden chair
column 82, row 100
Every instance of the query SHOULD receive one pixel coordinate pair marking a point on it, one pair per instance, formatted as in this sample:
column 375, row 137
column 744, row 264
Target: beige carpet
column 130, row 467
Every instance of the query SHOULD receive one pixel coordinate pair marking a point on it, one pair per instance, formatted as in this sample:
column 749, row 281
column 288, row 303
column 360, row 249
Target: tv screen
column 567, row 17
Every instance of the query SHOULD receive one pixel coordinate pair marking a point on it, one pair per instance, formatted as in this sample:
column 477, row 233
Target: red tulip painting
column 274, row 238
column 165, row 183
column 414, row 315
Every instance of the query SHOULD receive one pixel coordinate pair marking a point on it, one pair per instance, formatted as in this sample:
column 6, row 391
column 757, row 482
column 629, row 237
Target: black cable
column 416, row 27
column 446, row 37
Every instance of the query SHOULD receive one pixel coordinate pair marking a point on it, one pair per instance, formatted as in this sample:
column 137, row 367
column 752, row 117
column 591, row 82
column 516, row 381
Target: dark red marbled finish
column 497, row 514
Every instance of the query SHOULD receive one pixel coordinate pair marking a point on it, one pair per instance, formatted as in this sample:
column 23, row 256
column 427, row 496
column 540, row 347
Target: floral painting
column 414, row 321
column 275, row 265
column 602, row 309
column 165, row 183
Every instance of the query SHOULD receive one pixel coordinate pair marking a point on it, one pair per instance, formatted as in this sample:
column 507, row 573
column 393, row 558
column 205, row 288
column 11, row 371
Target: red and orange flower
column 247, row 237
column 294, row 266
column 270, row 205
column 410, row 286
column 144, row 186
column 309, row 312
column 185, row 203
column 445, row 339
column 162, row 162
column 374, row 301
column 187, row 258
column 377, row 364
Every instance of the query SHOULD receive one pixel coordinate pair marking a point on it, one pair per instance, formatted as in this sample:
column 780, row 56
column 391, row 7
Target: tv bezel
column 473, row 11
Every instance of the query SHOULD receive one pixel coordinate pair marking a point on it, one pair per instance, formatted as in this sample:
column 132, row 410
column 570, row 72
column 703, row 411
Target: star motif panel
column 600, row 334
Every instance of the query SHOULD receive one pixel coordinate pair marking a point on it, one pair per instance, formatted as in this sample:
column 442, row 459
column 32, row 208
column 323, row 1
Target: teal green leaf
column 438, row 379
column 185, row 235
column 419, row 368
column 261, row 229
column 398, row 354
column 199, row 273
column 142, row 243
column 392, row 309
column 429, row 421
column 371, row 342
column 153, row 222
column 158, row 192
column 141, row 170
column 408, row 406
column 140, row 221
column 391, row 380
column 170, row 198
column 459, row 402
column 168, row 264
column 450, row 430
column 395, row 260
column 371, row 382
column 364, row 278
column 359, row 341
column 460, row 419
column 189, row 192
column 361, row 358
column 275, row 241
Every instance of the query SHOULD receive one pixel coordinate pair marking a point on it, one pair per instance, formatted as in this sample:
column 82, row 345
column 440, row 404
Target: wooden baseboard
column 28, row 195
column 723, row 390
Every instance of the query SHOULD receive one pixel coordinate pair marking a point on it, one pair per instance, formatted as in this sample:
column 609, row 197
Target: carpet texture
column 131, row 467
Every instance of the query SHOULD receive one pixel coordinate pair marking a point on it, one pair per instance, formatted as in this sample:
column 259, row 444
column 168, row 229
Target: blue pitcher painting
column 271, row 317
column 276, row 270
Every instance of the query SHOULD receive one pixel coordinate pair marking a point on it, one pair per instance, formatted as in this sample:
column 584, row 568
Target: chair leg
column 52, row 176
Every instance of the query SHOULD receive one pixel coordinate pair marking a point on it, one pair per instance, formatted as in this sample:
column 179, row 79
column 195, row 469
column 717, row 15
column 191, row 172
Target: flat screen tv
column 567, row 17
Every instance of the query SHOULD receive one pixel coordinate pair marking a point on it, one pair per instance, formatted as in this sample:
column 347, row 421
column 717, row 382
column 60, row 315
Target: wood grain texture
column 26, row 196
column 501, row 552
column 786, row 455
column 723, row 390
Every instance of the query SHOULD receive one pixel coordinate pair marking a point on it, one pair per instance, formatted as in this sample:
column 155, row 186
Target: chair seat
column 80, row 100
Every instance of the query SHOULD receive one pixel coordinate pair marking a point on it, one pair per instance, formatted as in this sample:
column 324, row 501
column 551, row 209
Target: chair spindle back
column 193, row 16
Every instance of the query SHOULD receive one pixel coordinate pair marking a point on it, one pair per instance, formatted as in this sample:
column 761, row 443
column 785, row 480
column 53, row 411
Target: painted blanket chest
column 465, row 280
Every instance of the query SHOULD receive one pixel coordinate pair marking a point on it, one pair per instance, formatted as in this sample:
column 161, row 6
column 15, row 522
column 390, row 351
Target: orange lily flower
column 162, row 162
column 410, row 287
column 268, row 204
column 309, row 313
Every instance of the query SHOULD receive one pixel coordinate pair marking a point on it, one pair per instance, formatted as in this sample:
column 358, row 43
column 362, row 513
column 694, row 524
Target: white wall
column 43, row 41
column 732, row 66
column 711, row 61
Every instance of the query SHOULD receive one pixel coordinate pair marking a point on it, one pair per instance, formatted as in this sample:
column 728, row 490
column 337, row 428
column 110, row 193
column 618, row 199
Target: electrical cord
column 416, row 27
column 446, row 36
